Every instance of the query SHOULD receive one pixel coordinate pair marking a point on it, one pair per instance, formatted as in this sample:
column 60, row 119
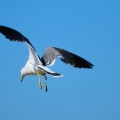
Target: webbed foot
column 46, row 88
column 40, row 84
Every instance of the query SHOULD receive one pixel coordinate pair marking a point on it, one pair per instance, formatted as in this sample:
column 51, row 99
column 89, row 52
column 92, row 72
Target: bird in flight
column 38, row 66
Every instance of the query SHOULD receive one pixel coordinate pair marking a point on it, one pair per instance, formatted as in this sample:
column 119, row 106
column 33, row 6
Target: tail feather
column 50, row 72
column 55, row 74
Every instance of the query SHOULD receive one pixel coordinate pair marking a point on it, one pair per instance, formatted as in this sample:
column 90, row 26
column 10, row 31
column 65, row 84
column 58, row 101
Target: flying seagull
column 38, row 66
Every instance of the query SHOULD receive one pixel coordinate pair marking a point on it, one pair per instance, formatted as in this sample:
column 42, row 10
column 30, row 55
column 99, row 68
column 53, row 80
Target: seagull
column 39, row 66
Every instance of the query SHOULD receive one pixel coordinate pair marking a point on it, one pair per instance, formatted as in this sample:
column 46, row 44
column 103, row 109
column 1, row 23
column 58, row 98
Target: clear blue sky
column 90, row 29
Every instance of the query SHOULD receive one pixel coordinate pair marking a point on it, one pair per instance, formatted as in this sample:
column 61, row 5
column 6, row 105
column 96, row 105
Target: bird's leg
column 39, row 82
column 46, row 89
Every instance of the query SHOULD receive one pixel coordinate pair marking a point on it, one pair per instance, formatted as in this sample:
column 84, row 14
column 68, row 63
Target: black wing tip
column 14, row 35
column 88, row 66
column 73, row 59
column 91, row 66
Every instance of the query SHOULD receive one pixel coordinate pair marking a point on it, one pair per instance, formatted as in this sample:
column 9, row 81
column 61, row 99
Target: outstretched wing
column 52, row 53
column 14, row 35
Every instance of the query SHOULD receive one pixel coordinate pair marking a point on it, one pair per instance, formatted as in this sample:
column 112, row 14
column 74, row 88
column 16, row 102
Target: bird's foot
column 46, row 88
column 40, row 84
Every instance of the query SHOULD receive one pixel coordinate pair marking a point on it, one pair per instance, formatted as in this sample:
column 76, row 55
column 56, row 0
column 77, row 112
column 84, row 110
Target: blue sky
column 90, row 29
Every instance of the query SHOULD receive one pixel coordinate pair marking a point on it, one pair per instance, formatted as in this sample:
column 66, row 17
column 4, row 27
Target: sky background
column 90, row 29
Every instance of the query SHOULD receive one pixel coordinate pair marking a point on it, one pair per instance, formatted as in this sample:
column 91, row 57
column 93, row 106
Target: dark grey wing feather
column 14, row 35
column 67, row 57
column 73, row 59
